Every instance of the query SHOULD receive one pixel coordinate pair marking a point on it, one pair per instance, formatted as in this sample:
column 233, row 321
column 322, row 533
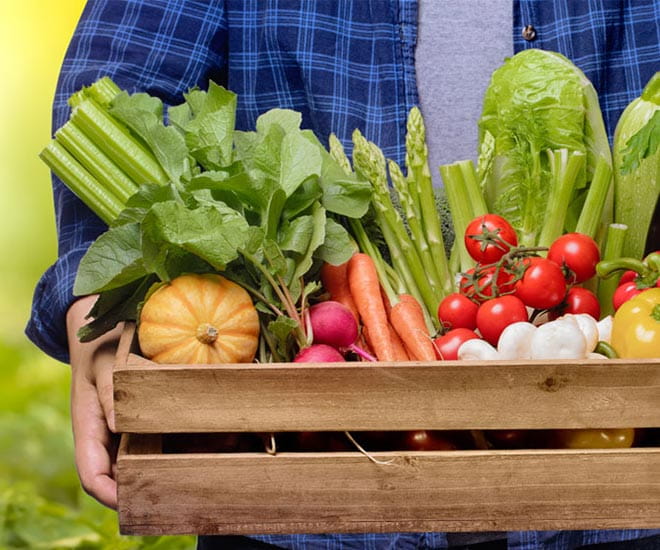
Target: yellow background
column 34, row 35
column 41, row 502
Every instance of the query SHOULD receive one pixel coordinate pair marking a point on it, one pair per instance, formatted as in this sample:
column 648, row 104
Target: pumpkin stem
column 206, row 333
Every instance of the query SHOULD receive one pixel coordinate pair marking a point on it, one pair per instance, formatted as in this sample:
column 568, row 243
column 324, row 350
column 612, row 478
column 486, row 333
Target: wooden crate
column 251, row 492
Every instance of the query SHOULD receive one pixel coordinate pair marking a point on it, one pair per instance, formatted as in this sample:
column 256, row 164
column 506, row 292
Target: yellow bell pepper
column 636, row 326
column 612, row 438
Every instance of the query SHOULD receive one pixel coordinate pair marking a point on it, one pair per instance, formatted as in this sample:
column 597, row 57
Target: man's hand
column 92, row 412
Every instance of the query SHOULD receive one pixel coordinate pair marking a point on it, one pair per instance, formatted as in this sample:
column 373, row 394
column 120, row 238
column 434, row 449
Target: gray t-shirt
column 452, row 74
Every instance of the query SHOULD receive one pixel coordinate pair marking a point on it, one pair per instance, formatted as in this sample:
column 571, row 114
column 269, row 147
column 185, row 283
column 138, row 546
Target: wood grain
column 418, row 491
column 385, row 396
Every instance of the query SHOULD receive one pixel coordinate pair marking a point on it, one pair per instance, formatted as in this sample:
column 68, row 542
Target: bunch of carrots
column 393, row 329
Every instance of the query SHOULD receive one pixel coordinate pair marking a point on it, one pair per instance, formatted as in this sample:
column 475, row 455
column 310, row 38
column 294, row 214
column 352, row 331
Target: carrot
column 407, row 318
column 400, row 353
column 335, row 281
column 365, row 289
column 399, row 347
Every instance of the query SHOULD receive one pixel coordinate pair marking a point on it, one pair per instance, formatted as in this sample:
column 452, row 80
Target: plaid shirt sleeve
column 161, row 47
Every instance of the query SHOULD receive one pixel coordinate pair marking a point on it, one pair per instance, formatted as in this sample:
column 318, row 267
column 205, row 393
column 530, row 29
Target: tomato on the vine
column 498, row 313
column 624, row 292
column 483, row 283
column 542, row 285
column 628, row 276
column 446, row 346
column 578, row 300
column 488, row 237
column 457, row 311
column 578, row 253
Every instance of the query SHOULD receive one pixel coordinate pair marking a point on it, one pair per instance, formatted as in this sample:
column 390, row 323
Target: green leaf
column 143, row 115
column 305, row 196
column 642, row 144
column 338, row 245
column 342, row 193
column 282, row 152
column 210, row 133
column 286, row 119
column 282, row 328
column 295, row 235
column 274, row 256
column 316, row 239
column 254, row 193
column 115, row 306
column 274, row 213
column 212, row 233
column 113, row 260
column 139, row 204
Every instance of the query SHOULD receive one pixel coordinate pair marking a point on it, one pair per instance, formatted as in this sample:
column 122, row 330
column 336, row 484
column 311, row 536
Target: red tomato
column 446, row 346
column 427, row 440
column 578, row 253
column 497, row 314
column 458, row 311
column 624, row 292
column 578, row 300
column 486, row 286
column 508, row 439
column 489, row 237
column 628, row 276
column 542, row 286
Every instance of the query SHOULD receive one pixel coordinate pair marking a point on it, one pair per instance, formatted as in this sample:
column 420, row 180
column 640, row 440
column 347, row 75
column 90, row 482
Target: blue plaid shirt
column 344, row 65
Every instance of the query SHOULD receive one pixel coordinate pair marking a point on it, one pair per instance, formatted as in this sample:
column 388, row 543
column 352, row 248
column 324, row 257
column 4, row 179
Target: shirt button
column 529, row 33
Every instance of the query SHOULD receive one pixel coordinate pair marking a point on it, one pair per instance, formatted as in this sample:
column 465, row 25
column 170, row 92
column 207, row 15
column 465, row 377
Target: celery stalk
column 592, row 211
column 461, row 210
column 106, row 172
column 117, row 143
column 103, row 91
column 565, row 167
column 104, row 204
column 613, row 250
column 473, row 191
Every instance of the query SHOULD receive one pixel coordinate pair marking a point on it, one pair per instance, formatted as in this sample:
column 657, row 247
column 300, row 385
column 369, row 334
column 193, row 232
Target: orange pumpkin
column 199, row 319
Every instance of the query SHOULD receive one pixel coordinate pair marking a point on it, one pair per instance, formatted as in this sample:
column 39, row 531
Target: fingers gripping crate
column 214, row 492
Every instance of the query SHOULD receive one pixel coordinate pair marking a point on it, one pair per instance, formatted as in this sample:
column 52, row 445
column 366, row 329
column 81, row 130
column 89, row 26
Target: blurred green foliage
column 41, row 503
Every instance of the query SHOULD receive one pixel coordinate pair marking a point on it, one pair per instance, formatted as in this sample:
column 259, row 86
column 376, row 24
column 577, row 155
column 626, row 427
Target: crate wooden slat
column 151, row 398
column 251, row 493
column 418, row 491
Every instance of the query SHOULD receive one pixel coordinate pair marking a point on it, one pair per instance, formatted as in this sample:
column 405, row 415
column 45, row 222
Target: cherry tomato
column 427, row 440
column 628, row 276
column 446, row 346
column 458, row 311
column 497, row 314
column 578, row 253
column 481, row 284
column 624, row 292
column 489, row 237
column 578, row 300
column 542, row 286
column 507, row 439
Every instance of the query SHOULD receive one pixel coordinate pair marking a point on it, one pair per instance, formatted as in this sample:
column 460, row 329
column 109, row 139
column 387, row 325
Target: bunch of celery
column 97, row 156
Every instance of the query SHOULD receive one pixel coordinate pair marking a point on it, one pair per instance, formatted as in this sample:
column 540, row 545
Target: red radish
column 319, row 353
column 333, row 324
